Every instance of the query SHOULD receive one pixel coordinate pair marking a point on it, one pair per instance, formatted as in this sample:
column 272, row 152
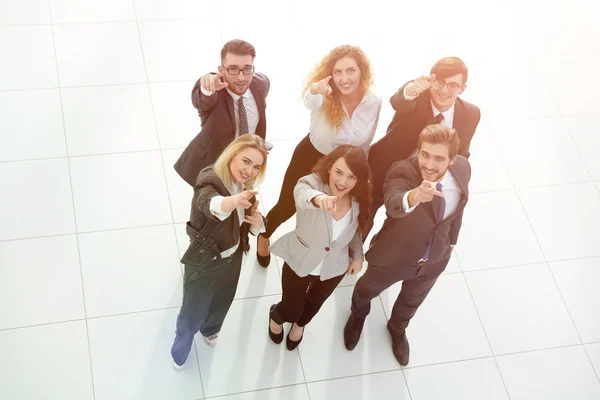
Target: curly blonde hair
column 332, row 105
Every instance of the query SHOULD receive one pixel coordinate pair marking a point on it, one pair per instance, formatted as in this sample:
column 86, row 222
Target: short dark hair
column 440, row 134
column 450, row 66
column 238, row 47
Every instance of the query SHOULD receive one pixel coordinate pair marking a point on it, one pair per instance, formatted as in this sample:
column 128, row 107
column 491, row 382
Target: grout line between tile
column 83, row 298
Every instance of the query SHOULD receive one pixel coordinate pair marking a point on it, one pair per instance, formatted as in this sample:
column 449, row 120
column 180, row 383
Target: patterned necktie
column 243, row 119
column 440, row 215
column 438, row 118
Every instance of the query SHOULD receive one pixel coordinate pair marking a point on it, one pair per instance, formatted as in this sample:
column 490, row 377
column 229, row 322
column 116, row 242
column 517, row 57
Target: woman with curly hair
column 343, row 110
column 333, row 206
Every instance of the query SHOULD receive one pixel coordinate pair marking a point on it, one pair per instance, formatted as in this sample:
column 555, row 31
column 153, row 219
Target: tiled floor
column 94, row 111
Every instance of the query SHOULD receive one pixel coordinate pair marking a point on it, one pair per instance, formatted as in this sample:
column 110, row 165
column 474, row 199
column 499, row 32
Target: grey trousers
column 208, row 292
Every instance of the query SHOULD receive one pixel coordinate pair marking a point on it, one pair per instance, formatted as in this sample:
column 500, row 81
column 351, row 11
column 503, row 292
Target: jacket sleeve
column 466, row 144
column 356, row 248
column 457, row 221
column 399, row 102
column 395, row 186
column 305, row 190
column 204, row 104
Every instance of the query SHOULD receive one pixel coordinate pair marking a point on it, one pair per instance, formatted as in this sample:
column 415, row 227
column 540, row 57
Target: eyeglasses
column 236, row 70
column 451, row 85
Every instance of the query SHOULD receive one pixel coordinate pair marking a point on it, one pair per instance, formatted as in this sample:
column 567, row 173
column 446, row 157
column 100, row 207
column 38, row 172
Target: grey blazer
column 310, row 243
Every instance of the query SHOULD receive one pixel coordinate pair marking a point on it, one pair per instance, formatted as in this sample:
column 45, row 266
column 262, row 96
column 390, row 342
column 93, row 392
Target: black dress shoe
column 264, row 261
column 352, row 331
column 290, row 344
column 400, row 346
column 275, row 337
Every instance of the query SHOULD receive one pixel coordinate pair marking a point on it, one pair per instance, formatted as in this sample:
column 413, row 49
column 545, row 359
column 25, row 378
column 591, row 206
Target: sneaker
column 212, row 339
column 177, row 366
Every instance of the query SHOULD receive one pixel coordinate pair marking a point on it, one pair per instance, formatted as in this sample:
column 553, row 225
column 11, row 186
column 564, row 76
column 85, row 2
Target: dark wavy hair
column 356, row 159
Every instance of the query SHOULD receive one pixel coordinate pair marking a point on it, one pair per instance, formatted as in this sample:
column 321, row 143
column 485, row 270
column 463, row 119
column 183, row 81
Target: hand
column 355, row 267
column 452, row 248
column 212, row 82
column 423, row 193
column 321, row 87
column 419, row 85
column 255, row 218
column 242, row 200
column 324, row 202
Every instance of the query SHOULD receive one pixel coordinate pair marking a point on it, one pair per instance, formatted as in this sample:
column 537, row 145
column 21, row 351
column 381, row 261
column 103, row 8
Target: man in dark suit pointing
column 424, row 199
column 230, row 103
column 429, row 99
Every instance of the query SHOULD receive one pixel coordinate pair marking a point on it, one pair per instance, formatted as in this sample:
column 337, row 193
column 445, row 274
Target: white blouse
column 358, row 130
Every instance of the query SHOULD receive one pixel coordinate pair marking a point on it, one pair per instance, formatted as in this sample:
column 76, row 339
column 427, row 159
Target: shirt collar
column 447, row 114
column 235, row 97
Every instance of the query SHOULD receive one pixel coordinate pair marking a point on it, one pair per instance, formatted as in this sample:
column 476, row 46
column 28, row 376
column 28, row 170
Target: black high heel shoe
column 277, row 338
column 264, row 261
column 289, row 343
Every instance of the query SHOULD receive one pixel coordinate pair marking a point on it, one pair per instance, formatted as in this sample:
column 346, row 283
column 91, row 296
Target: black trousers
column 302, row 298
column 416, row 285
column 303, row 160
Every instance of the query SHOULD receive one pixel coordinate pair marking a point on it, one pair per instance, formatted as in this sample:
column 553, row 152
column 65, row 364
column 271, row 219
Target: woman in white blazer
column 332, row 211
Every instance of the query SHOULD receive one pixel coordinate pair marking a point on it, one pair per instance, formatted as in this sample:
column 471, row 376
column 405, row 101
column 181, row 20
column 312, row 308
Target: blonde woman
column 224, row 210
column 343, row 110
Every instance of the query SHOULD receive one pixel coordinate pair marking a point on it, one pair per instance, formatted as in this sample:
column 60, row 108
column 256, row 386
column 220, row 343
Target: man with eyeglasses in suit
column 230, row 103
column 429, row 99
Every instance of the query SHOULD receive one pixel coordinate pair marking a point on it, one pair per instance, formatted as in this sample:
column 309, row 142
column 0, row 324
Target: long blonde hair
column 332, row 105
column 243, row 142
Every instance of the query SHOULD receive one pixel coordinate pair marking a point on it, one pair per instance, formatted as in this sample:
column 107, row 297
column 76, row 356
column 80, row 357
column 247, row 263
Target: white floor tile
column 277, row 164
column 99, row 54
column 40, row 281
column 132, row 359
column 161, row 9
column 256, row 280
column 385, row 385
column 556, row 374
column 180, row 192
column 325, row 336
column 521, row 309
column 31, row 69
column 584, row 130
column 70, row 11
column 573, row 231
column 51, row 361
column 433, row 333
column 245, row 351
column 578, row 282
column 495, row 232
column 23, row 137
column 296, row 392
column 593, row 351
column 466, row 380
column 109, row 119
column 488, row 172
column 140, row 272
column 25, row 12
column 539, row 152
column 176, row 118
column 171, row 53
column 38, row 195
column 119, row 191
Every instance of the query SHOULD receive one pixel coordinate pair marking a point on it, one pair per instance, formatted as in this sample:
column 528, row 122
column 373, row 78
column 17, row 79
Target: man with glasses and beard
column 230, row 103
column 424, row 199
column 431, row 99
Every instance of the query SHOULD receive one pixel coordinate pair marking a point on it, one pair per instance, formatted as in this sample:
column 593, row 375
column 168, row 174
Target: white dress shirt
column 338, row 227
column 448, row 120
column 358, row 130
column 452, row 194
column 216, row 209
column 250, row 106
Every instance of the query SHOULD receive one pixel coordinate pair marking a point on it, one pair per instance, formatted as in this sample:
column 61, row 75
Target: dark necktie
column 440, row 215
column 438, row 118
column 243, row 119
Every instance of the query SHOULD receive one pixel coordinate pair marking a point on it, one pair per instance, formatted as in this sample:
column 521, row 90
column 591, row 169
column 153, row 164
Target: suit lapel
column 229, row 102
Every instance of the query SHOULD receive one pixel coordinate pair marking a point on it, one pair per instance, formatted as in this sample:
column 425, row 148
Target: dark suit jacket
column 404, row 238
column 403, row 132
column 218, row 127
